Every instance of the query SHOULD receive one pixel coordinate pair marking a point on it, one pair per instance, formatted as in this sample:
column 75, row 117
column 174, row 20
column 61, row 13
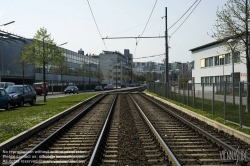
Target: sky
column 72, row 21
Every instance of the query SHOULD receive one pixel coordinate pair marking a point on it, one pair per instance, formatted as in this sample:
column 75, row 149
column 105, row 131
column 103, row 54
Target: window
column 228, row 78
column 202, row 63
column 222, row 59
column 207, row 81
column 221, row 79
column 216, row 60
column 227, row 59
column 217, row 79
column 206, row 62
column 236, row 57
column 202, row 79
column 211, row 61
column 211, row 80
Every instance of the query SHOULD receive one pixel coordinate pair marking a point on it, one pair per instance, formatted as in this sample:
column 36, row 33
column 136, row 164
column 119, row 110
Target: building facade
column 213, row 64
column 11, row 69
column 116, row 67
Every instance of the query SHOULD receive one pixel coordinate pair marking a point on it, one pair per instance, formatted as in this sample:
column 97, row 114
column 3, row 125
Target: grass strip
column 232, row 114
column 19, row 119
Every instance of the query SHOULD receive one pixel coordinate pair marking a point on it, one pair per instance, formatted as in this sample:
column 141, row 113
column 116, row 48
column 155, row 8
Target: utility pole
column 166, row 59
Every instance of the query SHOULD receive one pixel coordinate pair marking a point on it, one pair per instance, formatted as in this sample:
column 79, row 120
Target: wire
column 186, row 18
column 133, row 27
column 145, row 27
column 183, row 15
column 160, row 26
column 149, row 56
column 97, row 25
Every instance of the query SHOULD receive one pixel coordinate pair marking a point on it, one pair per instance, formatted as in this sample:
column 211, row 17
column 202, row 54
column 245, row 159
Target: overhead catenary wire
column 145, row 27
column 133, row 27
column 182, row 15
column 185, row 19
column 149, row 56
column 96, row 25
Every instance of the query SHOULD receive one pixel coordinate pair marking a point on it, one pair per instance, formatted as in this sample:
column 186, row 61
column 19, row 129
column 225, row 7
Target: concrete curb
column 242, row 136
column 25, row 134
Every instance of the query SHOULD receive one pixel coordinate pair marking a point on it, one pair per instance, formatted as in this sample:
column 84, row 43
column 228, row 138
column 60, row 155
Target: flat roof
column 205, row 46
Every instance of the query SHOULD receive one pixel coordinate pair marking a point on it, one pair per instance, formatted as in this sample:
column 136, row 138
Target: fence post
column 194, row 95
column 183, row 93
column 154, row 87
column 213, row 100
column 225, row 99
column 240, row 104
column 170, row 87
column 188, row 94
column 178, row 91
column 202, row 96
column 174, row 93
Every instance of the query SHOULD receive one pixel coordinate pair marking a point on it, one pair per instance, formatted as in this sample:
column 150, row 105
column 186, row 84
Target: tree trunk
column 248, row 86
column 23, row 76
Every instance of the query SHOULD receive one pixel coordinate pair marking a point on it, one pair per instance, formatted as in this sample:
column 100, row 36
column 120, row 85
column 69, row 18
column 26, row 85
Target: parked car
column 108, row 87
column 4, row 99
column 21, row 94
column 98, row 88
column 71, row 89
column 123, row 85
column 6, row 84
column 38, row 86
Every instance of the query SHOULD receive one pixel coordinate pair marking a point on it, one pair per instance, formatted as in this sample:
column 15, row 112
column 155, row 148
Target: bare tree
column 233, row 23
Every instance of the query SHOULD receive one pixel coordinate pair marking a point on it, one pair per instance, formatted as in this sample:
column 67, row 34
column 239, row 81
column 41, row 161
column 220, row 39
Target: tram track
column 128, row 129
column 193, row 142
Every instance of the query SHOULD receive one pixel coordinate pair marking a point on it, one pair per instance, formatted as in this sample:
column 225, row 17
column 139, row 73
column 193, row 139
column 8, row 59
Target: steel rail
column 200, row 130
column 50, row 137
column 101, row 136
column 165, row 147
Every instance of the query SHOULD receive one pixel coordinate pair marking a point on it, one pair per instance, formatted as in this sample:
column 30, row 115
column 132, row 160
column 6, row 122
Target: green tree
column 233, row 22
column 41, row 52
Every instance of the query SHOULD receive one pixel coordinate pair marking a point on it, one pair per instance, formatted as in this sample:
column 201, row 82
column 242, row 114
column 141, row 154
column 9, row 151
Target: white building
column 213, row 64
column 116, row 67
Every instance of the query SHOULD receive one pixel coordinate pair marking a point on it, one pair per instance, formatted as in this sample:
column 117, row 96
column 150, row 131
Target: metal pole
column 166, row 39
column 240, row 103
column 213, row 100
column 188, row 94
column 194, row 95
column 121, row 74
column 233, row 76
column 202, row 96
column 89, row 77
column 183, row 93
column 178, row 91
column 225, row 100
column 116, row 77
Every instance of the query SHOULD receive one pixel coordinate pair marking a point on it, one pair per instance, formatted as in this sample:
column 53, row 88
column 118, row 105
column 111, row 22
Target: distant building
column 116, row 67
column 11, row 71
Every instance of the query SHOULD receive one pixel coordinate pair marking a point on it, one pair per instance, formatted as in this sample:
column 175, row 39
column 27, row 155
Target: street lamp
column 232, row 44
column 223, row 57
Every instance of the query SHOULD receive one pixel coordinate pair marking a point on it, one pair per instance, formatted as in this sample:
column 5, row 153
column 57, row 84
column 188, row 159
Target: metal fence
column 225, row 100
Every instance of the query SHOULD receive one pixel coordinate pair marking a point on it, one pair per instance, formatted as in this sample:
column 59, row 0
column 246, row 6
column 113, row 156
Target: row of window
column 215, row 79
column 220, row 60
